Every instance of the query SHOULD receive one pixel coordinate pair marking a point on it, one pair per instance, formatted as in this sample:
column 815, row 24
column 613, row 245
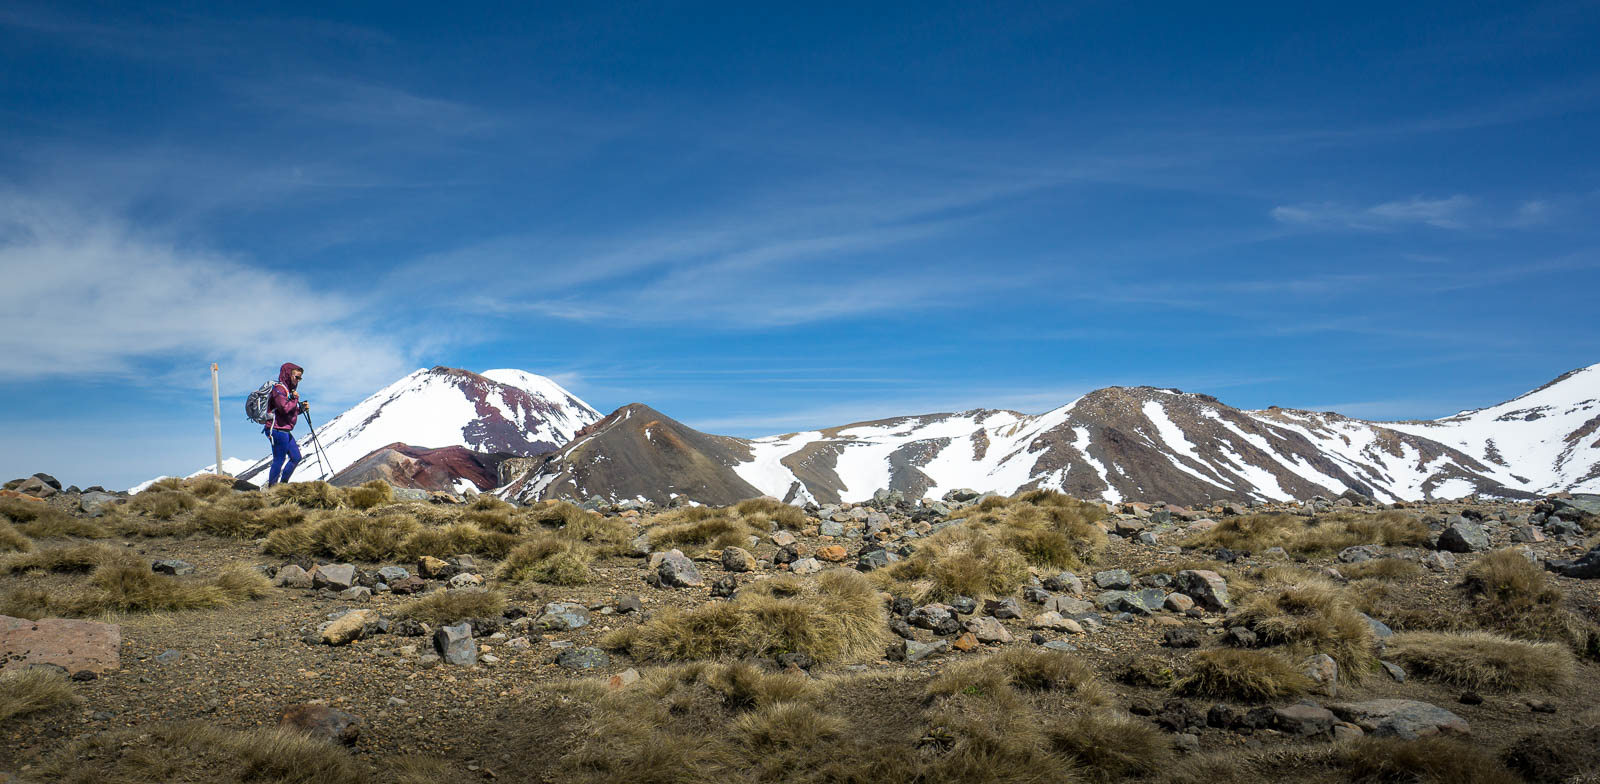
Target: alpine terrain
column 443, row 428
column 1117, row 443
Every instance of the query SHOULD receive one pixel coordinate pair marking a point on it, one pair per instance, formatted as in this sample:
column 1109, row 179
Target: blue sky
column 759, row 219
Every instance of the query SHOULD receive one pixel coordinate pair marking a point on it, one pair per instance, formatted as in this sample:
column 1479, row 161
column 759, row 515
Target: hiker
column 285, row 407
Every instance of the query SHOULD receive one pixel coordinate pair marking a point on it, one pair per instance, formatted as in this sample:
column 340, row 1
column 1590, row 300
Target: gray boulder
column 334, row 577
column 1405, row 719
column 563, row 616
column 1206, row 588
column 678, row 571
column 1463, row 536
column 455, row 645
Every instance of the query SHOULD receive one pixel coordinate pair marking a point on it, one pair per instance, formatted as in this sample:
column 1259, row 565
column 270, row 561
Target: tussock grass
column 120, row 586
column 1561, row 754
column 308, row 495
column 374, row 493
column 12, row 540
column 959, row 560
column 1432, row 760
column 1048, row 528
column 705, row 526
column 30, row 691
column 198, row 752
column 163, row 503
column 607, row 534
column 836, row 617
column 71, row 558
column 350, row 536
column 1145, row 670
column 1243, row 675
column 451, row 606
column 207, row 486
column 40, row 520
column 1483, row 661
column 548, row 559
column 1312, row 616
column 1108, row 746
column 1381, row 569
column 769, row 513
column 1509, row 594
column 1316, row 535
column 1022, row 670
column 456, row 539
column 246, row 516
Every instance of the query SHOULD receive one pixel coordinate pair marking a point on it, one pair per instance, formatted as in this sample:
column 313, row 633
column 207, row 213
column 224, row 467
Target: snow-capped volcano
column 498, row 411
column 1117, row 443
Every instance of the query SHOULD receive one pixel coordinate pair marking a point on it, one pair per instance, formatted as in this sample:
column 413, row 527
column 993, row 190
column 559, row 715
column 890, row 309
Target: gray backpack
column 258, row 405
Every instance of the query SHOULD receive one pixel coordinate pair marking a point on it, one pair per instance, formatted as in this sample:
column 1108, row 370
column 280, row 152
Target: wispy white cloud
column 89, row 297
column 1443, row 213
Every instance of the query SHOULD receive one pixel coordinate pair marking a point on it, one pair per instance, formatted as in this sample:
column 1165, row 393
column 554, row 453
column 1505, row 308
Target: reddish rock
column 72, row 645
column 832, row 552
column 966, row 642
column 321, row 721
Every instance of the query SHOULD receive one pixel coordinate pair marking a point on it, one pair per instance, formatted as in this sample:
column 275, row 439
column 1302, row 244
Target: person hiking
column 285, row 407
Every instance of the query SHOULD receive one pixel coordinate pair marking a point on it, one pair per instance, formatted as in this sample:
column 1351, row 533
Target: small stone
column 805, row 566
column 393, row 574
column 1002, row 608
column 1541, row 706
column 1396, row 672
column 914, row 651
column 1065, row 582
column 1114, row 580
column 1181, row 638
column 585, row 658
column 1186, row 743
column 963, row 605
column 1463, row 536
column 737, row 559
column 321, row 722
column 334, row 577
column 1324, row 671
column 988, row 629
column 172, row 566
column 628, row 604
column 409, row 585
column 1178, row 602
column 455, row 644
column 678, row 571
column 1303, row 720
column 783, row 539
column 360, row 593
column 291, row 576
column 169, row 656
column 627, row 677
column 1055, row 622
column 431, row 567
column 349, row 627
column 563, row 616
column 966, row 642
column 1470, row 698
column 465, row 580
column 833, row 552
column 1206, row 588
column 1439, row 561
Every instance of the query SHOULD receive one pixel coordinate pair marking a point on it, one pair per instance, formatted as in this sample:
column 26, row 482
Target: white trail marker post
column 216, row 417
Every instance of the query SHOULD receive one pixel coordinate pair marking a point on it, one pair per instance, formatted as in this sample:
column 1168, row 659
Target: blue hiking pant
column 285, row 456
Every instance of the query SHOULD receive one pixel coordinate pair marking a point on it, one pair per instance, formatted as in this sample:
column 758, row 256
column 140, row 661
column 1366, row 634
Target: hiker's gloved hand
column 304, row 407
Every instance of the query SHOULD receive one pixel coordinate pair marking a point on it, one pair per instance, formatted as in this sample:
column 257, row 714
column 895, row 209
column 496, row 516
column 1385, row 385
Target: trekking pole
column 322, row 454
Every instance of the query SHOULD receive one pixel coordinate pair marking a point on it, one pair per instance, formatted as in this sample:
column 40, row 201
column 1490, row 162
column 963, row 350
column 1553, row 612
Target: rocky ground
column 336, row 646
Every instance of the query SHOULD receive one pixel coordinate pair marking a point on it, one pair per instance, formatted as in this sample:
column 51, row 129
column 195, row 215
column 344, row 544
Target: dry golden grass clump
column 1314, row 535
column 768, row 513
column 309, row 495
column 705, row 526
column 456, row 539
column 40, row 520
column 451, row 606
column 1109, row 746
column 207, row 487
column 12, row 540
column 1144, row 670
column 1483, row 661
column 1561, row 754
column 609, row 535
column 30, row 691
column 163, row 502
column 836, row 617
column 1381, row 569
column 130, row 587
column 246, row 516
column 1048, row 528
column 1431, row 760
column 1022, row 670
column 1509, row 594
column 959, row 560
column 1311, row 616
column 1243, row 675
column 71, row 558
column 548, row 558
column 374, row 493
column 346, row 535
column 198, row 752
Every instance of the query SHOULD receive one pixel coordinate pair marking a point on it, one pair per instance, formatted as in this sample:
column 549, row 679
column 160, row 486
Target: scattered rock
column 1178, row 602
column 432, row 568
column 1002, row 608
column 409, row 585
column 1439, row 561
column 988, row 629
column 1206, row 588
column 1056, row 622
column 832, row 552
column 334, row 577
column 322, row 722
column 1065, row 582
column 94, row 504
column 291, row 576
column 1405, row 719
column 1303, row 720
column 563, row 616
column 678, row 571
column 455, row 645
column 1114, row 580
column 585, row 658
column 349, row 627
column 806, row 566
column 737, row 559
column 1324, row 671
column 1181, row 638
column 1396, row 672
column 464, row 580
column 70, row 644
column 172, row 566
column 1462, row 536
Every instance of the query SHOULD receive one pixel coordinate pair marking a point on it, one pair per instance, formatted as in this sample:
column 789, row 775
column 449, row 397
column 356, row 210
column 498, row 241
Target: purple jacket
column 284, row 404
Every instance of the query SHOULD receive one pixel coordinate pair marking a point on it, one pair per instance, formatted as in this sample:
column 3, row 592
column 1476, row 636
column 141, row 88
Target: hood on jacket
column 286, row 377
